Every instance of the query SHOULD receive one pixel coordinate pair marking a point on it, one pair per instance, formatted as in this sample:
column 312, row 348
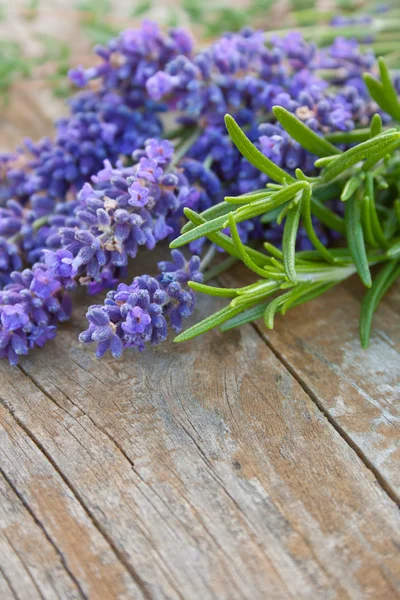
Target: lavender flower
column 137, row 314
column 125, row 208
column 30, row 308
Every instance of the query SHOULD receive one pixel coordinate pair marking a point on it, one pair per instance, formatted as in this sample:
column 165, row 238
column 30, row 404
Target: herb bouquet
column 282, row 155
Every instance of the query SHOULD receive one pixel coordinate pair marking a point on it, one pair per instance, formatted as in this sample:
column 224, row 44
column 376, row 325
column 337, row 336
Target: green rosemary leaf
column 223, row 208
column 309, row 227
column 246, row 198
column 255, row 209
column 272, row 307
column 349, row 137
column 327, row 216
column 142, row 7
column 248, row 316
column 297, row 294
column 283, row 212
column 376, row 91
column 386, row 151
column 273, row 250
column 241, row 249
column 302, row 177
column 260, row 287
column 366, row 221
column 198, row 232
column 209, row 323
column 225, row 242
column 368, row 149
column 275, row 186
column 313, row 293
column 397, row 209
column 213, row 291
column 253, row 155
column 303, row 134
column 270, row 216
column 377, row 230
column 394, row 250
column 289, row 241
column 320, row 163
column 389, row 89
column 350, row 187
column 390, row 226
column 355, row 239
column 376, row 125
column 257, row 295
column 382, row 282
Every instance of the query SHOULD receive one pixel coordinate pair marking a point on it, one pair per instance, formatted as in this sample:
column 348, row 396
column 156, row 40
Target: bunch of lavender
column 136, row 314
column 366, row 176
column 142, row 73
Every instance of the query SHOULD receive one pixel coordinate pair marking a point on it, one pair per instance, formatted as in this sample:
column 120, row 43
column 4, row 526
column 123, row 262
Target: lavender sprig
column 138, row 314
column 31, row 306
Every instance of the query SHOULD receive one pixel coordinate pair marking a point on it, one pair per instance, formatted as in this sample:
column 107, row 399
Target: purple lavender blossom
column 126, row 208
column 137, row 314
column 30, row 308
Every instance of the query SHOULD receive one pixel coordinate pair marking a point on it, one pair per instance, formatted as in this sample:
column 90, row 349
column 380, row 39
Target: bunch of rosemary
column 365, row 177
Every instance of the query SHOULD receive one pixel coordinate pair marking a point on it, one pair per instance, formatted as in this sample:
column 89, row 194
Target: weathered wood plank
column 209, row 468
column 359, row 390
column 51, row 535
column 29, row 562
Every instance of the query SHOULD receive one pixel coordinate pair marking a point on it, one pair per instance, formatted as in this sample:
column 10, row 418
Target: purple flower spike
column 30, row 307
column 137, row 314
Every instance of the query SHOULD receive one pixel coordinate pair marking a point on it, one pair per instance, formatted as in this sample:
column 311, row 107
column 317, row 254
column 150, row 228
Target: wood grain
column 205, row 469
column 358, row 390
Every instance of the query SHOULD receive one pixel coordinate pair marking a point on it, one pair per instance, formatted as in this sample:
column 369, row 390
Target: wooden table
column 248, row 465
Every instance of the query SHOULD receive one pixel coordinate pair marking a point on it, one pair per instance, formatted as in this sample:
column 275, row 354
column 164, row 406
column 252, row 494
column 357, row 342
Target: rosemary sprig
column 364, row 177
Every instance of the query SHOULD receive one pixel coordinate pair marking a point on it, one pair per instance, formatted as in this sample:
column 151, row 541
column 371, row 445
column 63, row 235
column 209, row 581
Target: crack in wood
column 135, row 576
column 386, row 487
column 36, row 519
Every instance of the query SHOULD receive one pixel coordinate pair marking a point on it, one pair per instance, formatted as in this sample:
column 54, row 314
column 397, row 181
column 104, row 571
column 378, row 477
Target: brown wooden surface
column 250, row 465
